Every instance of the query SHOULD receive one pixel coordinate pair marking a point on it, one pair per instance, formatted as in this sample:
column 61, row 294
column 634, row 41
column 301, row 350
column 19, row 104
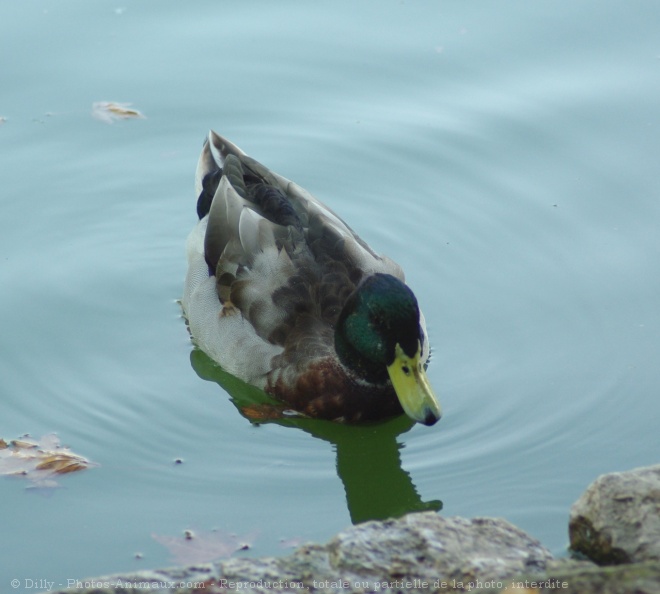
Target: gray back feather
column 281, row 257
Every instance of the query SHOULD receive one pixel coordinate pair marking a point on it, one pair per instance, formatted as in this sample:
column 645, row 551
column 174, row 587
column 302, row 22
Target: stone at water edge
column 617, row 519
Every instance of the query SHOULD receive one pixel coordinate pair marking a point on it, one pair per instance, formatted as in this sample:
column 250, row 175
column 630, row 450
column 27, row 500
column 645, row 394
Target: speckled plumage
column 270, row 269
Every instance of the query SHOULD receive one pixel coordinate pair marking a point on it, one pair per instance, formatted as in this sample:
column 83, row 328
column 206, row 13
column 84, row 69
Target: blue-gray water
column 506, row 154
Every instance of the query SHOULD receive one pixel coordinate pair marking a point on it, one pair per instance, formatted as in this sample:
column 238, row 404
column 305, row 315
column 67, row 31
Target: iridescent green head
column 379, row 337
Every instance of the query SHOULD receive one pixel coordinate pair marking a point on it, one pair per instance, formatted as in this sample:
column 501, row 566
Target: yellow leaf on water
column 39, row 461
column 21, row 444
column 62, row 463
column 109, row 111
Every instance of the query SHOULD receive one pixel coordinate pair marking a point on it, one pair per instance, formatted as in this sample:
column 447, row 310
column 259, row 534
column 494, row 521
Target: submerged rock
column 617, row 519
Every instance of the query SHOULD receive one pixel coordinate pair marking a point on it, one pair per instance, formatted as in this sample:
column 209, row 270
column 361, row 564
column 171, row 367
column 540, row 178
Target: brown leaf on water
column 109, row 111
column 39, row 461
column 202, row 547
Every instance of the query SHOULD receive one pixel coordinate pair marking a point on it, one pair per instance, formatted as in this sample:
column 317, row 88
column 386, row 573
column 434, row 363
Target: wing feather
column 279, row 256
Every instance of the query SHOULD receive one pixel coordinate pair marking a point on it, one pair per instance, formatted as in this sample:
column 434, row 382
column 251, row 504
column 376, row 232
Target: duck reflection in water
column 368, row 459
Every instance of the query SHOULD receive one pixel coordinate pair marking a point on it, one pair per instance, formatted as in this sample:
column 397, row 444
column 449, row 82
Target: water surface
column 505, row 155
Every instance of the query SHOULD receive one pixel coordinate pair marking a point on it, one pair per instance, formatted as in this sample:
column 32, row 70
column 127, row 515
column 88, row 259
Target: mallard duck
column 284, row 295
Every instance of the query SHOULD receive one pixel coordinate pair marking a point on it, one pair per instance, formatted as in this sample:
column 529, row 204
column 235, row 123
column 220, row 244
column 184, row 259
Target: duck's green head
column 379, row 337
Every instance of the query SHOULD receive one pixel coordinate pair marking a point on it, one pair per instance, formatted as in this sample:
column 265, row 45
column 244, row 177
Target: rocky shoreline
column 615, row 525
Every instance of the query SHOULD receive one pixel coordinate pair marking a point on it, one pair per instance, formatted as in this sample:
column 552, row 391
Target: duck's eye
column 406, row 369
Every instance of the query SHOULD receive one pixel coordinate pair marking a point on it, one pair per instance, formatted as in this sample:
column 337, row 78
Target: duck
column 281, row 293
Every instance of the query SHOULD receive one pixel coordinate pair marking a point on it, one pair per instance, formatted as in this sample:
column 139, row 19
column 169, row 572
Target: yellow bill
column 413, row 388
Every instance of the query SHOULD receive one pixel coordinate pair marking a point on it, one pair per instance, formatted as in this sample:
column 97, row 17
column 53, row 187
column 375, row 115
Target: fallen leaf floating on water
column 109, row 111
column 39, row 461
column 202, row 547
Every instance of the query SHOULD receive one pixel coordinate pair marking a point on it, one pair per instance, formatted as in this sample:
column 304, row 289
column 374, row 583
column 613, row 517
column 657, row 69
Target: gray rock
column 433, row 547
column 419, row 553
column 586, row 578
column 617, row 519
